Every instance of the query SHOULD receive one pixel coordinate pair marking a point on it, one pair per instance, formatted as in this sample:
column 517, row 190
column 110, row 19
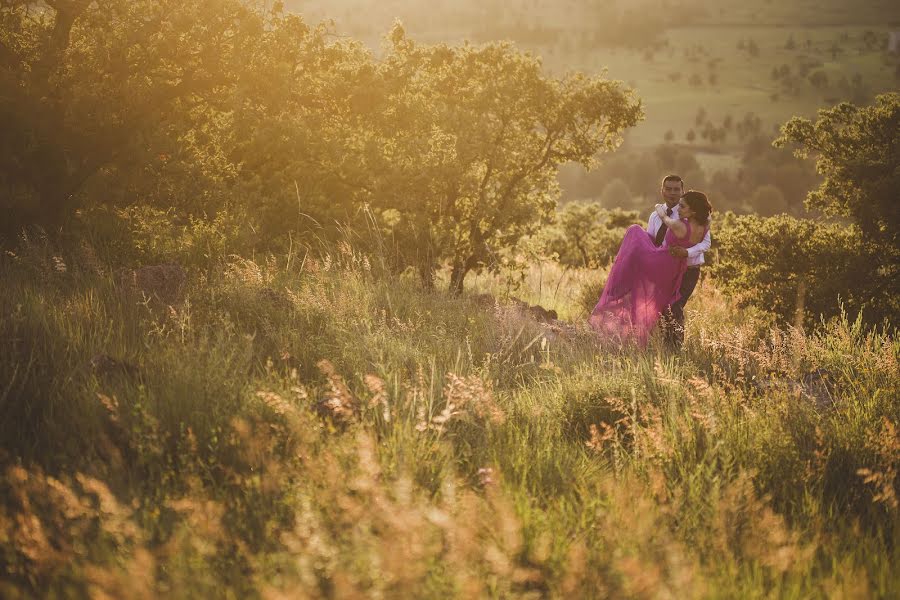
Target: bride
column 644, row 278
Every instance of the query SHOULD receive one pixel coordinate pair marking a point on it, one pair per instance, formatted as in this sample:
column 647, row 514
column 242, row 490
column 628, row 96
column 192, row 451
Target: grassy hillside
column 305, row 425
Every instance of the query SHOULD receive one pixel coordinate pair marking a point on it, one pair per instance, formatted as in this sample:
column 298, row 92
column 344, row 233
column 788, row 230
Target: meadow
column 305, row 425
column 284, row 317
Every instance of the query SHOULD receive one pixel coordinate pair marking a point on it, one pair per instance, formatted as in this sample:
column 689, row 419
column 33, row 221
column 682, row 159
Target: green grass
column 744, row 83
column 453, row 448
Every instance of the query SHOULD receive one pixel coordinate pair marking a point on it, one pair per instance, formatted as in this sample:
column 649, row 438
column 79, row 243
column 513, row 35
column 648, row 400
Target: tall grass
column 302, row 426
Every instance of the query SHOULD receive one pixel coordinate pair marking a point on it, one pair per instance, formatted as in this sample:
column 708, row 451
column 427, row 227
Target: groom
column 673, row 320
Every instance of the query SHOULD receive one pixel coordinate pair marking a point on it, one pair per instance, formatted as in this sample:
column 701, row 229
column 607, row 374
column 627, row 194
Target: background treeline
column 717, row 81
column 221, row 128
column 765, row 181
column 216, row 109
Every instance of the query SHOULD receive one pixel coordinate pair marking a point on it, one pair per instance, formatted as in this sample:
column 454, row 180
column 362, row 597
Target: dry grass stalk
column 886, row 446
column 338, row 401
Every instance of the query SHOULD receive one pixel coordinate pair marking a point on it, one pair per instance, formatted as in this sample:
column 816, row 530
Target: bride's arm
column 694, row 251
column 677, row 227
column 700, row 247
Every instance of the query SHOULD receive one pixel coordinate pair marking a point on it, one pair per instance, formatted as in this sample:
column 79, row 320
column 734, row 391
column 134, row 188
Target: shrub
column 586, row 235
column 798, row 269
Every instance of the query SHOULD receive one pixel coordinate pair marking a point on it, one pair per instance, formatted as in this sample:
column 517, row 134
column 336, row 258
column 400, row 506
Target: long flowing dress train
column 643, row 281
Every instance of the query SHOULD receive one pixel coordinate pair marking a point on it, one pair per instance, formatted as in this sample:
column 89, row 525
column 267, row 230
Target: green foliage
column 475, row 144
column 798, row 268
column 857, row 152
column 102, row 93
column 586, row 235
column 440, row 153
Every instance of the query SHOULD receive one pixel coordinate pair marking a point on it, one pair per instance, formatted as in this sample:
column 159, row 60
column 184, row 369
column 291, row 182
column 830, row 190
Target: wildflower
column 486, row 476
column 378, row 390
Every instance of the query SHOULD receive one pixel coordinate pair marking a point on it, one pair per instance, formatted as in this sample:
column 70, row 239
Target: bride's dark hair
column 699, row 203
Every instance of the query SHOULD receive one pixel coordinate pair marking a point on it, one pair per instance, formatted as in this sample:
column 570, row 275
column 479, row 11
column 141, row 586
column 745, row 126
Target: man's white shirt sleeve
column 696, row 252
column 653, row 224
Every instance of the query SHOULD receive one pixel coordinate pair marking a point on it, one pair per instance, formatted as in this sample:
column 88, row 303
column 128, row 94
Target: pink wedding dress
column 642, row 282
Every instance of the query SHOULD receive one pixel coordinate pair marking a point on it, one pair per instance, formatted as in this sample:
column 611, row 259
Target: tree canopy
column 95, row 90
column 448, row 153
column 474, row 167
column 857, row 151
column 798, row 269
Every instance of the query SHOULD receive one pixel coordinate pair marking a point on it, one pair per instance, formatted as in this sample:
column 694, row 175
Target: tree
column 303, row 129
column 752, row 48
column 818, row 79
column 577, row 234
column 797, row 269
column 476, row 135
column 451, row 151
column 88, row 85
column 586, row 235
column 857, row 152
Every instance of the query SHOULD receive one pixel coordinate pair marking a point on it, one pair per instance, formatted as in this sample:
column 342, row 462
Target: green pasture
column 562, row 34
column 744, row 83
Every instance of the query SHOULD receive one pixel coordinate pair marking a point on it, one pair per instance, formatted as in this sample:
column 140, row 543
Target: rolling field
column 671, row 72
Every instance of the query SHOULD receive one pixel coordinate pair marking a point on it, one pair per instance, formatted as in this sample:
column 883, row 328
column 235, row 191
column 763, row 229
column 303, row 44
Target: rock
column 542, row 314
column 815, row 387
column 537, row 312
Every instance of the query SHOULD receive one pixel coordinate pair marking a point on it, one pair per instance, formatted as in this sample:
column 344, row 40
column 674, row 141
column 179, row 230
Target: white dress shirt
column 695, row 252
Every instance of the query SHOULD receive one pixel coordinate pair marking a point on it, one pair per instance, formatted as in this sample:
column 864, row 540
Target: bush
column 586, row 235
column 798, row 269
column 142, row 235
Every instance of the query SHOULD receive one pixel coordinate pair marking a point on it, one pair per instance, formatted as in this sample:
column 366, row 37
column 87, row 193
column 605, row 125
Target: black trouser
column 673, row 320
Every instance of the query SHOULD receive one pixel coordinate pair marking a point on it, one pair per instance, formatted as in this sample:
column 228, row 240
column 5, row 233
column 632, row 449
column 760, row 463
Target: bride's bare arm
column 677, row 227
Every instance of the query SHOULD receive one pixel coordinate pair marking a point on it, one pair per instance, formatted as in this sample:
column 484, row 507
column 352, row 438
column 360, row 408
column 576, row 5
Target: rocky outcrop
column 104, row 364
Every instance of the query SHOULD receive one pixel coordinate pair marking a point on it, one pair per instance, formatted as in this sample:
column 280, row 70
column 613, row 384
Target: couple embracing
column 657, row 269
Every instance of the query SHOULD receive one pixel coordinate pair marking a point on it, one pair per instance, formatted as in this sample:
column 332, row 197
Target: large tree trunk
column 457, row 277
column 459, row 272
column 48, row 162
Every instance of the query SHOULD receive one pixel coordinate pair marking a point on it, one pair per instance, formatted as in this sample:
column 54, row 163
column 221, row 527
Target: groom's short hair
column 673, row 178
